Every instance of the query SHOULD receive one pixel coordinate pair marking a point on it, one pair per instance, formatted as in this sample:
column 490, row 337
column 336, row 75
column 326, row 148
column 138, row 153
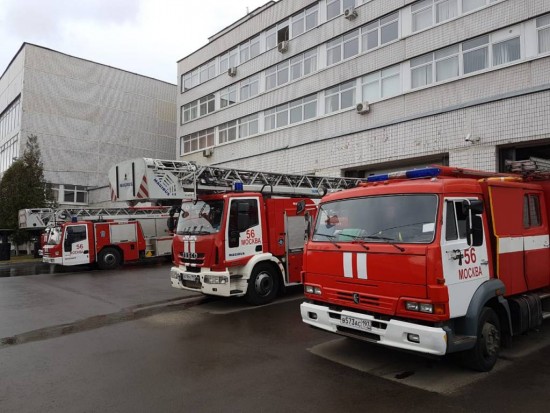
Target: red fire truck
column 436, row 261
column 239, row 233
column 107, row 237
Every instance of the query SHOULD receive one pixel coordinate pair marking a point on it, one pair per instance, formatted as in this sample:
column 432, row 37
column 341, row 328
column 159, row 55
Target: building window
column 422, row 70
column 198, row 140
column 207, row 105
column 228, row 96
column 190, row 111
column 249, row 87
column 303, row 109
column 381, row 84
column 506, row 51
column 10, row 118
column 305, row 20
column 227, row 132
column 343, row 47
column 249, row 49
column 269, row 119
column 426, row 13
column 303, row 64
column 75, row 194
column 271, row 38
column 248, row 126
column 475, row 54
column 446, row 63
column 543, row 30
column 380, row 32
column 208, row 71
column 277, row 75
column 422, row 15
column 9, row 151
column 337, row 7
column 340, row 97
column 190, row 80
column 230, row 59
column 435, row 67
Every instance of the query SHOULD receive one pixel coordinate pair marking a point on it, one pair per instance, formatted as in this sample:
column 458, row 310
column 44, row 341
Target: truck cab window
column 76, row 233
column 243, row 215
column 451, row 232
column 531, row 211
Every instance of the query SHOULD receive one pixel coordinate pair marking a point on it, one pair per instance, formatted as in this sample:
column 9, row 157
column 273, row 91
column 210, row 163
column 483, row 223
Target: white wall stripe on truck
column 361, row 265
column 348, row 266
column 518, row 244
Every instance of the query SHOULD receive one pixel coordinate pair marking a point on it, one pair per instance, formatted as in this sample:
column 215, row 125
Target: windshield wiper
column 390, row 241
column 331, row 238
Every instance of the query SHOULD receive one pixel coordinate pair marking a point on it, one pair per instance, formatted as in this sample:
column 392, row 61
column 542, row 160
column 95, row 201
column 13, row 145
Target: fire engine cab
column 436, row 260
column 239, row 232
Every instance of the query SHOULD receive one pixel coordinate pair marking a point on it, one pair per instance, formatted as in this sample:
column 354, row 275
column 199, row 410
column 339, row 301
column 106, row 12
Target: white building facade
column 354, row 87
column 87, row 117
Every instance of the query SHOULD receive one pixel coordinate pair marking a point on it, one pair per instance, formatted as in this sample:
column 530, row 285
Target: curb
column 93, row 322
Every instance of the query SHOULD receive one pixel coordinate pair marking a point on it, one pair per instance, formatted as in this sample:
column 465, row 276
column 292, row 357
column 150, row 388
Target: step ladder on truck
column 437, row 260
column 103, row 236
column 238, row 232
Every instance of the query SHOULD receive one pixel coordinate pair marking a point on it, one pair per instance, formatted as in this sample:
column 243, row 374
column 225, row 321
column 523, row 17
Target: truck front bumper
column 219, row 283
column 390, row 333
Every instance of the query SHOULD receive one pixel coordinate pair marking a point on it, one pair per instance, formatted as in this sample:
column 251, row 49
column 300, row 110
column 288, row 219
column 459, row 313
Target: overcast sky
column 142, row 36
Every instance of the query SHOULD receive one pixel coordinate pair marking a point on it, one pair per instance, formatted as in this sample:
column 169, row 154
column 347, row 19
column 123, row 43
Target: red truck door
column 465, row 268
column 295, row 230
column 76, row 245
column 244, row 236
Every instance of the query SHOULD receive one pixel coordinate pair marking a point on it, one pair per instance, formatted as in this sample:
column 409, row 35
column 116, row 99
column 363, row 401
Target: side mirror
column 307, row 217
column 300, row 207
column 68, row 245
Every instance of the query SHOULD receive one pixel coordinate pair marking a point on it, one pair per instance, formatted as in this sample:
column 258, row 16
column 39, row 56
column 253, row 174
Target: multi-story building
column 87, row 116
column 353, row 87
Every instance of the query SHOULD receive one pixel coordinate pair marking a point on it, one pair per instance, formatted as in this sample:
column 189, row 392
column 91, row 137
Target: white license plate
column 356, row 323
column 189, row 277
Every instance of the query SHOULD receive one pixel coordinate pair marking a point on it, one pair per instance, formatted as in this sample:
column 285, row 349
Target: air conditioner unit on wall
column 232, row 71
column 363, row 108
column 283, row 46
column 207, row 153
column 350, row 13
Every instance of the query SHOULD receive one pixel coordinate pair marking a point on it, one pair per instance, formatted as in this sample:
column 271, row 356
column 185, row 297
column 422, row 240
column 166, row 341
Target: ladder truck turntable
column 437, row 260
column 239, row 232
column 106, row 236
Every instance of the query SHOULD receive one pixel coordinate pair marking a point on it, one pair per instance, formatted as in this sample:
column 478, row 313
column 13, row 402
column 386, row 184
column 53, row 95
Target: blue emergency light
column 238, row 186
column 411, row 174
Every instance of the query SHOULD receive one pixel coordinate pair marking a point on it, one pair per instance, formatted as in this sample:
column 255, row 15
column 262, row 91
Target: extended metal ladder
column 39, row 218
column 196, row 179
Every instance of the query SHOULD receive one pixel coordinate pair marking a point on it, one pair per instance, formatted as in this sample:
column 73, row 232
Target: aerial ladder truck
column 238, row 232
column 103, row 236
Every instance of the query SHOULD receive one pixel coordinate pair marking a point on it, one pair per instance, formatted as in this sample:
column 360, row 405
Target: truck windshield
column 53, row 236
column 202, row 217
column 390, row 219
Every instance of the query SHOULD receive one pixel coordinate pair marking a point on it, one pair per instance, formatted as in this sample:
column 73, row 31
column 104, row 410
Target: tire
column 484, row 355
column 109, row 259
column 263, row 285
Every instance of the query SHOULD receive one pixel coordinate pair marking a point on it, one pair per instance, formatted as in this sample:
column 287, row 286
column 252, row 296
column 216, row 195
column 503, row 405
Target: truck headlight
column 215, row 279
column 311, row 289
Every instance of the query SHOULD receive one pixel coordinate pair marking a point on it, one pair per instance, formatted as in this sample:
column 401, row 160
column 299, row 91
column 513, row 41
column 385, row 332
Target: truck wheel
column 108, row 259
column 262, row 285
column 484, row 355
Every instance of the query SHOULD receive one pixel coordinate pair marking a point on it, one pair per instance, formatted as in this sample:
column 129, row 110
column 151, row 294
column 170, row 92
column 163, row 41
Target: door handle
column 86, row 251
column 484, row 262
